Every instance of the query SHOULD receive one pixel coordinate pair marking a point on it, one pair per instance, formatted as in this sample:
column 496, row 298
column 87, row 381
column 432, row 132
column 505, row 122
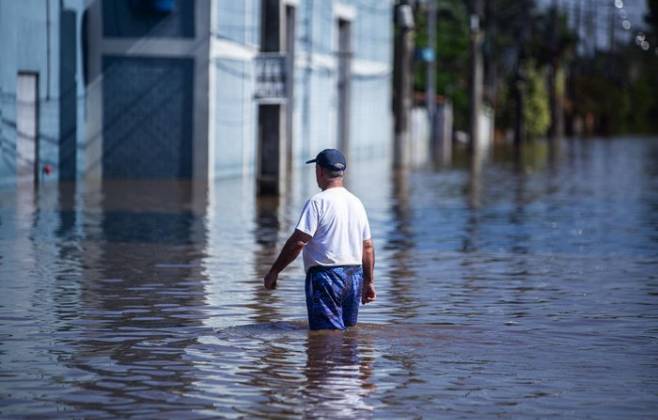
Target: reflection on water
column 338, row 372
column 505, row 287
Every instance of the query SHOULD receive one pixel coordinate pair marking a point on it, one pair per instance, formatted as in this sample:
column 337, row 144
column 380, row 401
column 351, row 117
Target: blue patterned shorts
column 333, row 295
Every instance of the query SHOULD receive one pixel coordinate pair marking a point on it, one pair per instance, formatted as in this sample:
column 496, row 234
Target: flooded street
column 520, row 289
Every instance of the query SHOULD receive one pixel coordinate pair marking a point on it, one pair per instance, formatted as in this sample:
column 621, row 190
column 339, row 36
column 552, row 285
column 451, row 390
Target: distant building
column 150, row 89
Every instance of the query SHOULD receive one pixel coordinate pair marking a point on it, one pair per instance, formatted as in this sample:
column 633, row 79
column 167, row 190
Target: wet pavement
column 513, row 288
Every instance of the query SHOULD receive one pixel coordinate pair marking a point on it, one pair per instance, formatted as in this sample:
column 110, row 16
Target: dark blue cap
column 330, row 159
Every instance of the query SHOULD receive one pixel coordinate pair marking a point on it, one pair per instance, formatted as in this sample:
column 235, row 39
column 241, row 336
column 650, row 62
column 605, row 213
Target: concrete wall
column 224, row 38
column 29, row 41
column 419, row 144
column 371, row 86
column 235, row 43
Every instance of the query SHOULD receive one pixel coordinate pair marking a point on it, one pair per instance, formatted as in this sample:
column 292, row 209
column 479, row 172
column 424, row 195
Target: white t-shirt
column 337, row 221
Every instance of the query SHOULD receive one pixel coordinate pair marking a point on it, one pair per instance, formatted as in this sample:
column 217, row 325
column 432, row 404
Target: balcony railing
column 271, row 79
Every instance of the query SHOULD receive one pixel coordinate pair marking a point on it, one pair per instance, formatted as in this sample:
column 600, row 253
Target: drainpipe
column 47, row 50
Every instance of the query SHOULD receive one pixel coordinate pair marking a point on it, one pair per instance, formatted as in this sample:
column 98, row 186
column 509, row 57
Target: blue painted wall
column 29, row 42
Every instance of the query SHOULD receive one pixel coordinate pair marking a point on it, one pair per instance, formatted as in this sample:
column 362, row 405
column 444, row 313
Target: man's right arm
column 368, row 262
column 289, row 252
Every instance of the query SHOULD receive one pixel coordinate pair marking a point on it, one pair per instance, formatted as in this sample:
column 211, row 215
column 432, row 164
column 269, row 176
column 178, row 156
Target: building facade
column 198, row 89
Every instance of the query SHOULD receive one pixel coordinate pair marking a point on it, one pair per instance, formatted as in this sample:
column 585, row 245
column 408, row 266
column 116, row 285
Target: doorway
column 27, row 126
column 272, row 144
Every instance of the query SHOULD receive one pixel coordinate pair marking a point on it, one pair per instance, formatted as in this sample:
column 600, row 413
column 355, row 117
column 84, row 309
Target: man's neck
column 333, row 184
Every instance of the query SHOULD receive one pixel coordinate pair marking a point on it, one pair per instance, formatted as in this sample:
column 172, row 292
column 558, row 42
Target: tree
column 652, row 19
column 536, row 103
column 451, row 55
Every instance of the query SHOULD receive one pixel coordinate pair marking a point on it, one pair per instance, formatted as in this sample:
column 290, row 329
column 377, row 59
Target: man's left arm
column 290, row 251
column 368, row 293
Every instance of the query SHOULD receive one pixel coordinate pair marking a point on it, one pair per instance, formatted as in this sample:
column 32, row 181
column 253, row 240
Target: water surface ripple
column 514, row 288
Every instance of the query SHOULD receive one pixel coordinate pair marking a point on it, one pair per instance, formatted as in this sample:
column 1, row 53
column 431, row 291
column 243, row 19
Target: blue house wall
column 40, row 36
column 29, row 41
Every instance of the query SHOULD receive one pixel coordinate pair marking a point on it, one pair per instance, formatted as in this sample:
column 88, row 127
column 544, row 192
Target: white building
column 104, row 89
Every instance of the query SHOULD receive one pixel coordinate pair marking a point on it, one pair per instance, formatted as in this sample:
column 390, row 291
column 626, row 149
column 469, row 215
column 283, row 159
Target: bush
column 537, row 113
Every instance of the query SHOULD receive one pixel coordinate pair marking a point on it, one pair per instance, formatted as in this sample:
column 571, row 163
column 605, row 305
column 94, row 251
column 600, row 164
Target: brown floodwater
column 512, row 288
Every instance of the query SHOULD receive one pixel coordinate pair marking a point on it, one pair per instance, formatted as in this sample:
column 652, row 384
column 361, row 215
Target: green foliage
column 553, row 41
column 451, row 55
column 617, row 91
column 536, row 107
column 652, row 16
column 642, row 115
column 561, row 82
column 596, row 95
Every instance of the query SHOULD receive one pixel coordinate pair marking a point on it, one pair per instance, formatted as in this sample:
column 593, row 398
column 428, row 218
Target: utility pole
column 404, row 43
column 590, row 27
column 575, row 70
column 476, row 75
column 579, row 22
column 519, row 79
column 556, row 128
column 431, row 71
column 490, row 70
column 612, row 11
column 595, row 32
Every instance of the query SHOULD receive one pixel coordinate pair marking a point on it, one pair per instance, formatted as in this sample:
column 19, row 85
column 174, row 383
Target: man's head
column 330, row 166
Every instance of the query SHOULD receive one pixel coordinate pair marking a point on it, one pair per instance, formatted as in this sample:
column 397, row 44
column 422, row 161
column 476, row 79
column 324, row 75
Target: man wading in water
column 339, row 257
